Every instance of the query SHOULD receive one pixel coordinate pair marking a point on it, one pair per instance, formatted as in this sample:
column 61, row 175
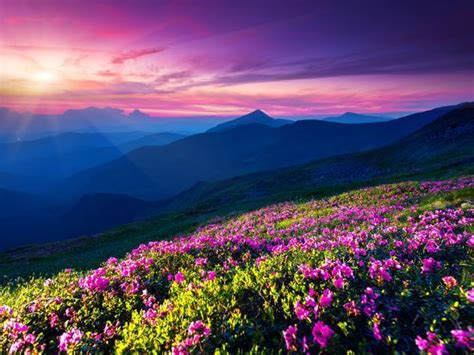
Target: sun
column 44, row 77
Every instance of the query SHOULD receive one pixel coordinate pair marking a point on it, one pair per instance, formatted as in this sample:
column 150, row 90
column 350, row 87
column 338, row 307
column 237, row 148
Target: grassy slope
column 90, row 251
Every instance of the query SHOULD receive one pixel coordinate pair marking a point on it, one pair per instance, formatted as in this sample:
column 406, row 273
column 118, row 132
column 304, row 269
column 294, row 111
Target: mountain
column 256, row 116
column 97, row 212
column 356, row 118
column 26, row 126
column 161, row 172
column 64, row 154
column 14, row 202
column 154, row 139
column 443, row 148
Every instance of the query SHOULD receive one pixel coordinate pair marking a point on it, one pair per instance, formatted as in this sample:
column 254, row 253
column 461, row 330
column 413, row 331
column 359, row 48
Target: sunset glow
column 172, row 58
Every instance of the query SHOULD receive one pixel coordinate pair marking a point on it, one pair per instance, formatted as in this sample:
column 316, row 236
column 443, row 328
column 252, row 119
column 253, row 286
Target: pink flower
column 211, row 275
column 430, row 265
column 73, row 337
column 338, row 283
column 200, row 328
column 290, row 338
column 449, row 281
column 376, row 331
column 179, row 278
column 351, row 308
column 322, row 333
column 326, row 298
column 470, row 295
column 464, row 338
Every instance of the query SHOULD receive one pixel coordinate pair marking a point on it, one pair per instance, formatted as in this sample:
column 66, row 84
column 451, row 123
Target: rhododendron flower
column 470, row 295
column 322, row 333
column 449, row 281
column 179, row 278
column 15, row 327
column 464, row 338
column 431, row 344
column 430, row 265
column 53, row 320
column 200, row 328
column 211, row 275
column 351, row 308
column 301, row 311
column 290, row 338
column 72, row 337
column 326, row 298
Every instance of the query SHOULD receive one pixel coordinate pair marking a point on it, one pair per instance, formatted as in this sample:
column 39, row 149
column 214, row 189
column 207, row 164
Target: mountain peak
column 138, row 114
column 257, row 116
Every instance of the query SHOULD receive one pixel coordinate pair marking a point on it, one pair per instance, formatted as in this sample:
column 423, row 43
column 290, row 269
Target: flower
column 290, row 338
column 464, row 338
column 179, row 278
column 322, row 333
column 470, row 295
column 326, row 298
column 449, row 281
column 72, row 337
column 430, row 265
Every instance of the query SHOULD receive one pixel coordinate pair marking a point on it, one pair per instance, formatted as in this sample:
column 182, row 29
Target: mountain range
column 161, row 172
column 443, row 148
column 237, row 165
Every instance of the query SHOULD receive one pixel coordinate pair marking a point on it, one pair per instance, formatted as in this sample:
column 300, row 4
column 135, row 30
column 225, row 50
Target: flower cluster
column 381, row 269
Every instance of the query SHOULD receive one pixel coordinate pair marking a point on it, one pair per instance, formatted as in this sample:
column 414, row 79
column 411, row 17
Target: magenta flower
column 430, row 265
column 464, row 338
column 470, row 295
column 179, row 278
column 70, row 338
column 290, row 338
column 326, row 298
column 322, row 333
column 301, row 311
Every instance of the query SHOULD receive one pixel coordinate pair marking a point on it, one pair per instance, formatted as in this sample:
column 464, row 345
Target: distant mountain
column 154, row 139
column 356, row 118
column 443, row 148
column 64, row 154
column 161, row 172
column 25, row 126
column 256, row 116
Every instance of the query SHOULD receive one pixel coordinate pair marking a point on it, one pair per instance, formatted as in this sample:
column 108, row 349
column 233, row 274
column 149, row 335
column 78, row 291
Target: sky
column 195, row 58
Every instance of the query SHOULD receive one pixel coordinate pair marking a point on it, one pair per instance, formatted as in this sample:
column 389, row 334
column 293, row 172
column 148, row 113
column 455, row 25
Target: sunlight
column 45, row 77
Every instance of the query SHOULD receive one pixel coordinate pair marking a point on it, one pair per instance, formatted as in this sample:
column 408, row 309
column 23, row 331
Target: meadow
column 379, row 269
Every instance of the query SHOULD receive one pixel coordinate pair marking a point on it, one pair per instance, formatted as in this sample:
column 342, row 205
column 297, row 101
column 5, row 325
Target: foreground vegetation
column 373, row 270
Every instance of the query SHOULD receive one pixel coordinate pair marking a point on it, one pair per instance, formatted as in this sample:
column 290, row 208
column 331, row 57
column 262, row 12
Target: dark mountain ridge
column 161, row 172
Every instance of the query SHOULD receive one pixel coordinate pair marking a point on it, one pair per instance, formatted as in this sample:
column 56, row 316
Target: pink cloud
column 134, row 54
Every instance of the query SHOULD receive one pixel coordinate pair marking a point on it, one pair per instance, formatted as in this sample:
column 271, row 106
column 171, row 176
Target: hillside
column 356, row 118
column 446, row 145
column 257, row 117
column 161, row 172
column 340, row 274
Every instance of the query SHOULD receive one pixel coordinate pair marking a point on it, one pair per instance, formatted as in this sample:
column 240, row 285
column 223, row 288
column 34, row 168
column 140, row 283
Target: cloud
column 134, row 54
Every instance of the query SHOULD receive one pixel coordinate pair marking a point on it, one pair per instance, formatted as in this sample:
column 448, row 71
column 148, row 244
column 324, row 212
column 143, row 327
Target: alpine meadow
column 221, row 177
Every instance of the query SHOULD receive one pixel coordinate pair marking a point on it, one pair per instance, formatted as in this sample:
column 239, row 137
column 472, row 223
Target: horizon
column 172, row 60
column 309, row 116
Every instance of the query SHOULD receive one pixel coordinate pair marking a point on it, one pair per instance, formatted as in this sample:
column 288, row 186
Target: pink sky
column 176, row 58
